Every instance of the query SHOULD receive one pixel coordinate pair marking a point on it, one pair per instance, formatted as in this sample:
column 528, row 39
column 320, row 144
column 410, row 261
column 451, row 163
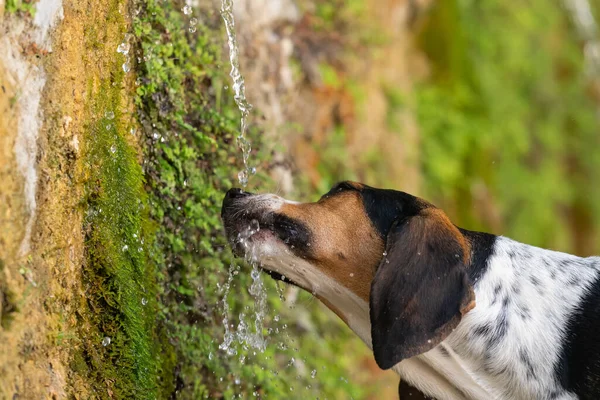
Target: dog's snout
column 229, row 200
column 235, row 193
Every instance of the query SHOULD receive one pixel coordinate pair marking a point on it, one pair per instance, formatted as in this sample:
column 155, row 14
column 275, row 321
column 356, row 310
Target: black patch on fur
column 484, row 330
column 524, row 312
column 578, row 367
column 482, row 248
column 534, row 281
column 444, row 350
column 490, row 365
column 516, row 289
column 501, row 328
column 574, row 280
column 384, row 206
column 292, row 232
column 497, row 290
column 554, row 395
column 526, row 360
column 406, row 391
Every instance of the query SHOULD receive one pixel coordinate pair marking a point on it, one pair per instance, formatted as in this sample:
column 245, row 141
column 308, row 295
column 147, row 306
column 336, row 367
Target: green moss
column 190, row 123
column 120, row 283
column 123, row 352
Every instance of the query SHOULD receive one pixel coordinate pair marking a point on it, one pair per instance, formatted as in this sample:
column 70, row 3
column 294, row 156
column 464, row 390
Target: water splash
column 244, row 335
column 239, row 90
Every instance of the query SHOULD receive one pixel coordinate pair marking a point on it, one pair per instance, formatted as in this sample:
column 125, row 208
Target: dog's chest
column 510, row 343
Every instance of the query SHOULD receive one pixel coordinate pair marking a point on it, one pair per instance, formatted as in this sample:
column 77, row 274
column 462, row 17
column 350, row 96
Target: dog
column 457, row 314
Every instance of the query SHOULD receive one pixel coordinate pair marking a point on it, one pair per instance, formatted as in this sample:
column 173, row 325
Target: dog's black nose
column 235, row 193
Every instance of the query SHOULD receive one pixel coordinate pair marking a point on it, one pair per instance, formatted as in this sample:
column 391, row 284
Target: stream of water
column 239, row 90
column 249, row 330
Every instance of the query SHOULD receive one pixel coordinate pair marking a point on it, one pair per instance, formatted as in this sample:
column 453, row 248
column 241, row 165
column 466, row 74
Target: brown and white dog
column 458, row 314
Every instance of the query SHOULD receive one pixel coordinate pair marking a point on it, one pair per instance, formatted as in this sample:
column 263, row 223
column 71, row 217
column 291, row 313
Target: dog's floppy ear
column 421, row 288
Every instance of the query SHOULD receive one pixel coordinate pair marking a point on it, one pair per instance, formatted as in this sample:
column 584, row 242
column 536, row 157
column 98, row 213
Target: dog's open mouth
column 248, row 237
column 252, row 229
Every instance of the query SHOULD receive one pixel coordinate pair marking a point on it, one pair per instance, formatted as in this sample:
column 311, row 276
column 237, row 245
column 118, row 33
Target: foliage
column 190, row 123
column 506, row 112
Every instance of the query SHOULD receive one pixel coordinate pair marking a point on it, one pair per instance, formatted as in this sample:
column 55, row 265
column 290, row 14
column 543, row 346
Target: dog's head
column 395, row 252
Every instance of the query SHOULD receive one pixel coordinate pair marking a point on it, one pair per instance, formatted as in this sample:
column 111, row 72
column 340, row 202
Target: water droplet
column 210, row 355
column 144, row 301
column 243, row 177
column 105, row 341
column 125, row 248
column 108, row 127
column 132, row 131
column 187, row 9
column 113, row 149
column 385, row 253
column 313, row 373
column 192, row 29
column 193, row 21
column 253, row 170
column 126, row 67
column 123, row 48
column 109, row 115
column 276, row 318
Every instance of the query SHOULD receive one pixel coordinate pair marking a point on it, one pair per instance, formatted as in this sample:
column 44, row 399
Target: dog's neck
column 506, row 347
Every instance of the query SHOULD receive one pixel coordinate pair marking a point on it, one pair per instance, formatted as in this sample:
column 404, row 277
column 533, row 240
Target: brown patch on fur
column 438, row 223
column 355, row 185
column 471, row 305
column 339, row 225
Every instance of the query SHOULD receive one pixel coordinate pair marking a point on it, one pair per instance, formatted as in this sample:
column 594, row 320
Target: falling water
column 239, row 90
column 244, row 334
column 249, row 331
